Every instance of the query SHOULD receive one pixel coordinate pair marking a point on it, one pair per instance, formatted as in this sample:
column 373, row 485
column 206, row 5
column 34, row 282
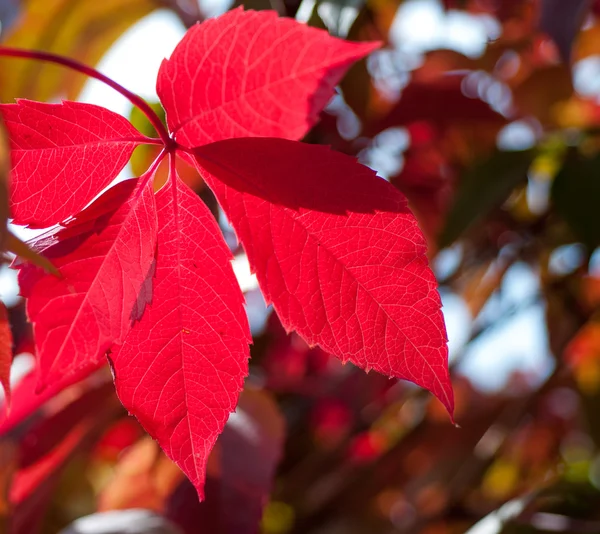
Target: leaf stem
column 149, row 174
column 172, row 168
column 72, row 64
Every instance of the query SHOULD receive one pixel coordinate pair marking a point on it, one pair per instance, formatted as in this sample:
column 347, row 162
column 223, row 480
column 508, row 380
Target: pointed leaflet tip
column 223, row 79
column 181, row 368
column 338, row 252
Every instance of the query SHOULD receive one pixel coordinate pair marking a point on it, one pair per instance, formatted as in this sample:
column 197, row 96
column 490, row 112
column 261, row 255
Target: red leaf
column 440, row 100
column 251, row 73
column 78, row 317
column 47, row 447
column 62, row 156
column 31, row 487
column 47, row 433
column 5, row 353
column 338, row 253
column 250, row 449
column 25, row 402
column 181, row 368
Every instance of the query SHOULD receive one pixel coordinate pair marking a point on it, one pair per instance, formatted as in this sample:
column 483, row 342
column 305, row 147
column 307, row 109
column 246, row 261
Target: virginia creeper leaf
column 335, row 248
column 180, row 370
column 5, row 353
column 62, row 156
column 251, row 73
column 337, row 252
column 79, row 316
column 63, row 239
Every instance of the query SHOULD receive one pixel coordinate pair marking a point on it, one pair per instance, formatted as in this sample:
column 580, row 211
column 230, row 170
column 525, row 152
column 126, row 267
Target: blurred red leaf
column 5, row 354
column 46, row 449
column 26, row 401
column 562, row 21
column 441, row 100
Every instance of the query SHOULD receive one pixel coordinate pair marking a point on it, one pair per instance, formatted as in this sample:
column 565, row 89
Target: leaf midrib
column 289, row 212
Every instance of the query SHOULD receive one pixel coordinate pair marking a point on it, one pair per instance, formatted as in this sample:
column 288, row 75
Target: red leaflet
column 47, row 447
column 250, row 74
column 180, row 370
column 62, row 156
column 338, row 253
column 5, row 353
column 439, row 100
column 78, row 317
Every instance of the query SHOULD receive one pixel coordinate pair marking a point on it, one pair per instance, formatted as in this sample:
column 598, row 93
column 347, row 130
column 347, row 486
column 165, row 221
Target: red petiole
column 170, row 144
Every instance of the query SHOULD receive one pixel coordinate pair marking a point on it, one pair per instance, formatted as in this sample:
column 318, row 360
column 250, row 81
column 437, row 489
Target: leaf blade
column 53, row 143
column 180, row 395
column 79, row 316
column 362, row 259
column 222, row 80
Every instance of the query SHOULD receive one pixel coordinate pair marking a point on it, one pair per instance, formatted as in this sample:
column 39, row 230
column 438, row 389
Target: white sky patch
column 586, row 76
column 422, row 25
column 518, row 343
column 9, row 290
column 494, row 523
column 241, row 269
column 458, row 320
column 213, row 8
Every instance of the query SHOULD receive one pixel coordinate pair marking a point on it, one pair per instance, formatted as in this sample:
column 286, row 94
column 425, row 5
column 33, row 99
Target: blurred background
column 486, row 115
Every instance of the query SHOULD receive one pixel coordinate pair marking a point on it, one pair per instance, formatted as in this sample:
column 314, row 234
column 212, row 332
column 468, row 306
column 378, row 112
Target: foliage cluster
column 139, row 281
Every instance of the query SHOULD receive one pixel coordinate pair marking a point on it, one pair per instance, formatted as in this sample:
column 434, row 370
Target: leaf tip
column 446, row 397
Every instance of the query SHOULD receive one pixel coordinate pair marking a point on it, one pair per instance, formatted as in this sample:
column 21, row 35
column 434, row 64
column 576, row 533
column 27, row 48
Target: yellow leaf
column 4, row 171
column 21, row 249
column 546, row 87
column 501, row 479
column 587, row 43
column 79, row 29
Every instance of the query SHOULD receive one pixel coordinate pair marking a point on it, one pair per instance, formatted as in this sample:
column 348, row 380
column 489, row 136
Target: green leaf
column 144, row 155
column 576, row 195
column 484, row 186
